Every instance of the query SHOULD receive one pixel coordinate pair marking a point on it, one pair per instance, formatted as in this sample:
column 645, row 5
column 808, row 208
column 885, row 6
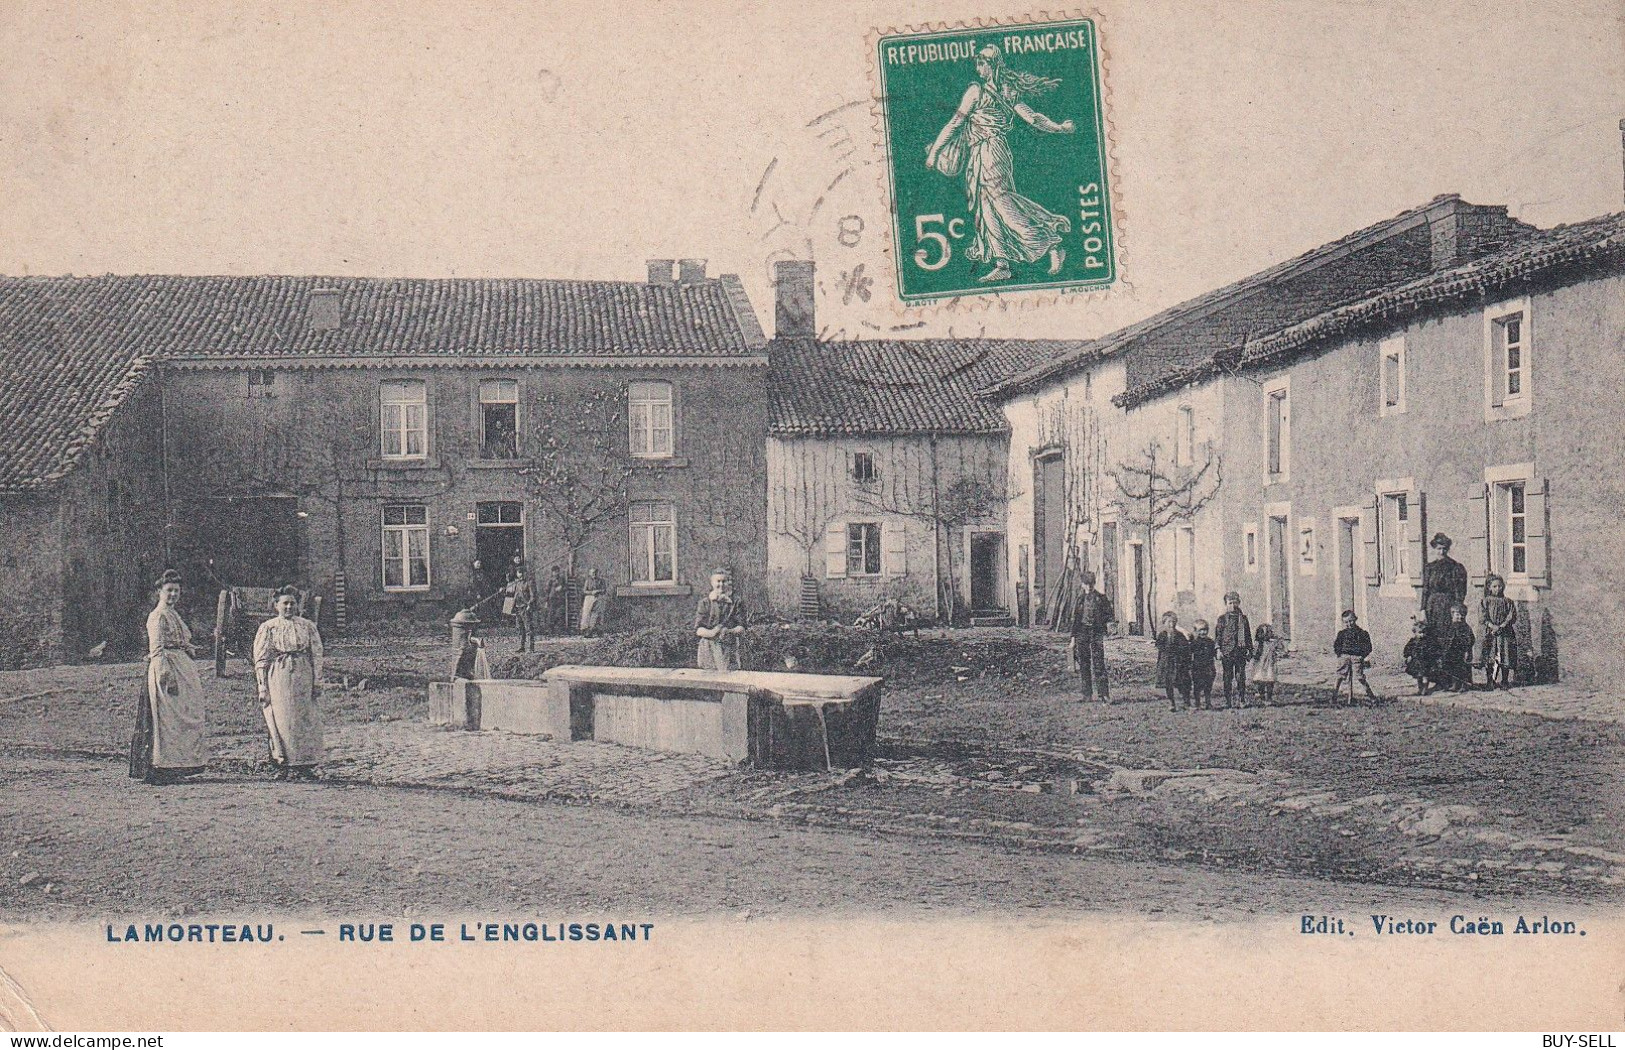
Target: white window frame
column 483, row 401
column 1185, row 436
column 1391, row 395
column 1509, row 406
column 1498, row 482
column 645, row 400
column 404, row 530
column 1249, row 547
column 1307, row 543
column 879, row 549
column 1278, row 389
column 1397, row 584
column 659, row 517
column 399, row 423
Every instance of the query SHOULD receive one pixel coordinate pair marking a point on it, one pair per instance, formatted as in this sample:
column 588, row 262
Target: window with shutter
column 894, row 537
column 1475, row 553
column 1538, row 550
column 1369, row 541
column 835, row 551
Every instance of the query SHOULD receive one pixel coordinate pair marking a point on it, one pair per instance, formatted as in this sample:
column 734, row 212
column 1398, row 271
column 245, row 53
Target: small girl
column 1456, row 652
column 1266, row 650
column 1174, row 662
column 1500, row 645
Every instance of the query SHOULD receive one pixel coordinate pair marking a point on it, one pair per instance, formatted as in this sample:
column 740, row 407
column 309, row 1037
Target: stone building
column 1437, row 372
column 380, row 441
column 886, row 467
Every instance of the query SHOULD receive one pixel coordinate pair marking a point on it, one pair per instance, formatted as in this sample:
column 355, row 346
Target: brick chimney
column 660, row 271
column 690, row 271
column 793, row 314
column 1462, row 231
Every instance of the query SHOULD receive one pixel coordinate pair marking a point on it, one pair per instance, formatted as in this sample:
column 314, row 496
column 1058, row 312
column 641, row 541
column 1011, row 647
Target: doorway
column 986, row 575
column 1350, row 574
column 499, row 544
column 1280, row 575
column 1108, row 562
column 1050, row 537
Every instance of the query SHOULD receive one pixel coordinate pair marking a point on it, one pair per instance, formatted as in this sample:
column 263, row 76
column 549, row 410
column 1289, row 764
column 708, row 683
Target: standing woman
column 288, row 668
column 178, row 746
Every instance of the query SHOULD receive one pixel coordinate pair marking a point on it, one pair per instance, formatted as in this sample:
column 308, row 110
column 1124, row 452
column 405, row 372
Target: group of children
column 1440, row 656
column 1188, row 665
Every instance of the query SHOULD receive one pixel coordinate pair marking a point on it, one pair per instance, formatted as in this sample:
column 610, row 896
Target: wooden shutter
column 1369, row 540
column 1475, row 553
column 1415, row 538
column 835, row 551
column 1537, row 558
column 894, row 548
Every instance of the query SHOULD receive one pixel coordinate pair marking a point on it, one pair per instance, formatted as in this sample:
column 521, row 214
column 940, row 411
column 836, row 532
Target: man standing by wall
column 719, row 623
column 1091, row 617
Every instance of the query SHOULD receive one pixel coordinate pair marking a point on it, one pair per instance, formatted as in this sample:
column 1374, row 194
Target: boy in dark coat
column 1174, row 662
column 1233, row 637
column 1351, row 647
column 1421, row 658
column 1204, row 653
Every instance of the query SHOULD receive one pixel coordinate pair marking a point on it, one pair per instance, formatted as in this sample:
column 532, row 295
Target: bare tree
column 580, row 470
column 1156, row 493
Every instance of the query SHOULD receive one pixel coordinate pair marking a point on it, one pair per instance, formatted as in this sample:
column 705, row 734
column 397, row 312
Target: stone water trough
column 771, row 720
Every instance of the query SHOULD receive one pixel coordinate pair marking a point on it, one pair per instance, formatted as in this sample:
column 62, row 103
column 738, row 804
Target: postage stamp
column 996, row 156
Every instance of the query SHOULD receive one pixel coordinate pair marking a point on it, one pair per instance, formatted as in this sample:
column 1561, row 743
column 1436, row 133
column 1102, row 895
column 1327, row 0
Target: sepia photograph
column 721, row 515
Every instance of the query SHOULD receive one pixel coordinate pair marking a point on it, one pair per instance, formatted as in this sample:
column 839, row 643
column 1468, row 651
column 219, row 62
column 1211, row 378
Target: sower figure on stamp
column 719, row 623
column 1091, row 617
column 1009, row 227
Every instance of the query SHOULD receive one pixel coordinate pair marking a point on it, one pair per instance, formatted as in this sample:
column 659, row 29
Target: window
column 1392, row 525
column 499, row 419
column 1306, row 546
column 1512, row 539
column 863, row 466
column 500, row 514
column 1279, row 421
column 652, row 541
column 1185, row 437
column 404, row 419
column 406, row 547
column 863, row 549
column 650, row 420
column 1250, row 547
column 1507, row 360
column 261, row 382
column 1391, row 380
column 1187, row 555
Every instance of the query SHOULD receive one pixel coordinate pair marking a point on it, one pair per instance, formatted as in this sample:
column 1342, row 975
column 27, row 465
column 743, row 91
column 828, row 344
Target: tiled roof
column 1562, row 253
column 72, row 348
column 895, row 386
column 1353, row 267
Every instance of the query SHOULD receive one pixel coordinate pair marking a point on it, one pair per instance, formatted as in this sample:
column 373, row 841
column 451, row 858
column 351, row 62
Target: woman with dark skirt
column 171, row 741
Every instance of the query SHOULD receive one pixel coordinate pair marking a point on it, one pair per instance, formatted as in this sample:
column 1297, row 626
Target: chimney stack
column 690, row 271
column 793, row 316
column 660, row 271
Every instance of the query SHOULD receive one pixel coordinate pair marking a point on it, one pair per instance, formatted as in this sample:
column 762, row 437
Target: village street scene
column 663, row 586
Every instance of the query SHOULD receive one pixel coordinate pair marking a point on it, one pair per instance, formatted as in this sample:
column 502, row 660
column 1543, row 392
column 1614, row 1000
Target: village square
column 383, row 593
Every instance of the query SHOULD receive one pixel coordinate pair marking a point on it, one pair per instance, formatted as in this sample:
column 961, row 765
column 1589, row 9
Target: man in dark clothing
column 558, row 602
column 522, row 595
column 1233, row 635
column 1091, row 616
column 1351, row 646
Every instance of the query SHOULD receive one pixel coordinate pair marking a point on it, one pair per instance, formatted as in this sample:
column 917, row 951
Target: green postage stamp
column 996, row 155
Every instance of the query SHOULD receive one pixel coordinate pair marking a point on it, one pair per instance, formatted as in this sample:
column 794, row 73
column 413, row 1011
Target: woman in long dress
column 179, row 742
column 1009, row 227
column 592, row 602
column 288, row 669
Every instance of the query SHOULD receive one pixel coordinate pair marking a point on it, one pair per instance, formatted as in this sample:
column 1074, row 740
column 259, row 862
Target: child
column 1421, row 658
column 1351, row 648
column 1500, row 655
column 1456, row 652
column 1233, row 637
column 1203, row 654
column 1174, row 661
column 1266, row 650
